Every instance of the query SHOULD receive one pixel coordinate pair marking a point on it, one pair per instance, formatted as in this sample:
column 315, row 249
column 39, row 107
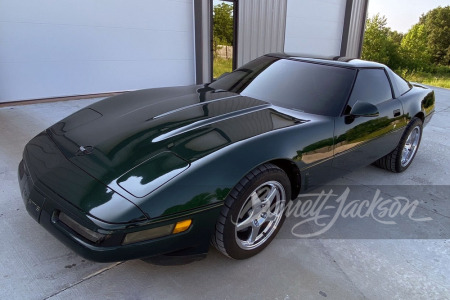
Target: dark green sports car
column 162, row 172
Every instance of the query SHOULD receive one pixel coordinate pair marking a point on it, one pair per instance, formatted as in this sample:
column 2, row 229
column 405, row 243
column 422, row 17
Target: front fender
column 209, row 179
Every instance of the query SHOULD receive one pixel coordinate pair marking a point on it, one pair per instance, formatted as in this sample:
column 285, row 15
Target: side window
column 401, row 86
column 371, row 86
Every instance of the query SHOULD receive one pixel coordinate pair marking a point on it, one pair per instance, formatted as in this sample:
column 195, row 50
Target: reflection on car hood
column 112, row 136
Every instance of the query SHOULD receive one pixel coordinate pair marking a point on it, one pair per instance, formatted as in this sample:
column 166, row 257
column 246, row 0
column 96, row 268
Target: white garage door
column 314, row 27
column 53, row 48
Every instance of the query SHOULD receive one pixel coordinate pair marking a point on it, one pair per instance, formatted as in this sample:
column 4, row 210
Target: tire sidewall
column 231, row 246
column 398, row 161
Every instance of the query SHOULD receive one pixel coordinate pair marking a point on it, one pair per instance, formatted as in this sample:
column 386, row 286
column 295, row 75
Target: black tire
column 260, row 218
column 397, row 161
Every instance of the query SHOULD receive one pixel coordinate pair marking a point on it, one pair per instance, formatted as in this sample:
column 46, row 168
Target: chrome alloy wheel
column 411, row 145
column 260, row 215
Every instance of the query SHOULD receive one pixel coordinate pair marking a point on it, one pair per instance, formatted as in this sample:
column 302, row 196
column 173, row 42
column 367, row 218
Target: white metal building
column 59, row 48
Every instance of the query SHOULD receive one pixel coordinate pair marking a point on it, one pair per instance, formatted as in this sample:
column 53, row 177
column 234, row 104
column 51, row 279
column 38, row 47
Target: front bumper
column 45, row 209
column 193, row 241
column 45, row 206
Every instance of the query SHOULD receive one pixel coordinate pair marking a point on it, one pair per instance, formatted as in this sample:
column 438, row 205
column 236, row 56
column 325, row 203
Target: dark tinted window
column 399, row 84
column 371, row 86
column 309, row 87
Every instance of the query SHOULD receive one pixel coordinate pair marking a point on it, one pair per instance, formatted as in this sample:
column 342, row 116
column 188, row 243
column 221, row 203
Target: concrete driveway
column 34, row 265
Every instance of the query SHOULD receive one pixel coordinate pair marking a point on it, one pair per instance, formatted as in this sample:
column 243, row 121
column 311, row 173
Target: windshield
column 309, row 87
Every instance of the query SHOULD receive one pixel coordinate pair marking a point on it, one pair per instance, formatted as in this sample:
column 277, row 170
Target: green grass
column 430, row 79
column 221, row 65
column 440, row 77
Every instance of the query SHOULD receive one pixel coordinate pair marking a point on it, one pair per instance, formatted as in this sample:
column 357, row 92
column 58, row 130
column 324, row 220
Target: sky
column 403, row 14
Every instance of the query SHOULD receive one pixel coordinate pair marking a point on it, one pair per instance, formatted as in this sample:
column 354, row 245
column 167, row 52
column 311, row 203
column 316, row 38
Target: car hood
column 159, row 132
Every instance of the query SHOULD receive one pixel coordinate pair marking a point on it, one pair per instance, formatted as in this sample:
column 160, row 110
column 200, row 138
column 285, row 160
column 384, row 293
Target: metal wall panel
column 356, row 28
column 261, row 28
column 60, row 48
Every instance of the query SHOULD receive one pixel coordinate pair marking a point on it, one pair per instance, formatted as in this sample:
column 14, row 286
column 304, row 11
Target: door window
column 371, row 86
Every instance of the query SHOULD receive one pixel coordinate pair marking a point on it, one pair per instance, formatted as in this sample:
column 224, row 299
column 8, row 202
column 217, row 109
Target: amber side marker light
column 182, row 226
column 157, row 232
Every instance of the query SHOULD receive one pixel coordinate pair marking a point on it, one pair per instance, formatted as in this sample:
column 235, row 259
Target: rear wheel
column 401, row 158
column 253, row 212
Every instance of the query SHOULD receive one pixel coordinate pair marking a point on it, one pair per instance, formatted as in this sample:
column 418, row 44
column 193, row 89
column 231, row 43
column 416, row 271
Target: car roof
column 340, row 61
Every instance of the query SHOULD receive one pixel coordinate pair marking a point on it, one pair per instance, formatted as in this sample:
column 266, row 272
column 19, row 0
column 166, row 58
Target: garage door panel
column 67, row 42
column 314, row 27
column 52, row 79
column 68, row 47
column 149, row 14
column 325, row 10
column 312, row 30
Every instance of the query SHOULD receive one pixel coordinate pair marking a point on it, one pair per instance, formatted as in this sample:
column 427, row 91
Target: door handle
column 396, row 112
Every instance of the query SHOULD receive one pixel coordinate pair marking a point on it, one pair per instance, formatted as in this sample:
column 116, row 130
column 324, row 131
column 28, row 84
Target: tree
column 414, row 47
column 380, row 43
column 223, row 23
column 396, row 37
column 437, row 27
column 396, row 59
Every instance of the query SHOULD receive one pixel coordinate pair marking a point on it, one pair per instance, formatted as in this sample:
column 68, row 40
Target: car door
column 361, row 140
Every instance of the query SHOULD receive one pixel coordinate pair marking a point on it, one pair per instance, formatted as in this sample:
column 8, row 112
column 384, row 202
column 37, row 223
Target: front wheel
column 253, row 212
column 401, row 158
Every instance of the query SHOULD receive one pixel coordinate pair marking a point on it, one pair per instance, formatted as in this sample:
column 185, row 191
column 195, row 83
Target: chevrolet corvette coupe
column 166, row 171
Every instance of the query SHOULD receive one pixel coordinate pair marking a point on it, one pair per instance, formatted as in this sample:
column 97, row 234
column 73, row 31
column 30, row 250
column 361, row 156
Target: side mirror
column 364, row 109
